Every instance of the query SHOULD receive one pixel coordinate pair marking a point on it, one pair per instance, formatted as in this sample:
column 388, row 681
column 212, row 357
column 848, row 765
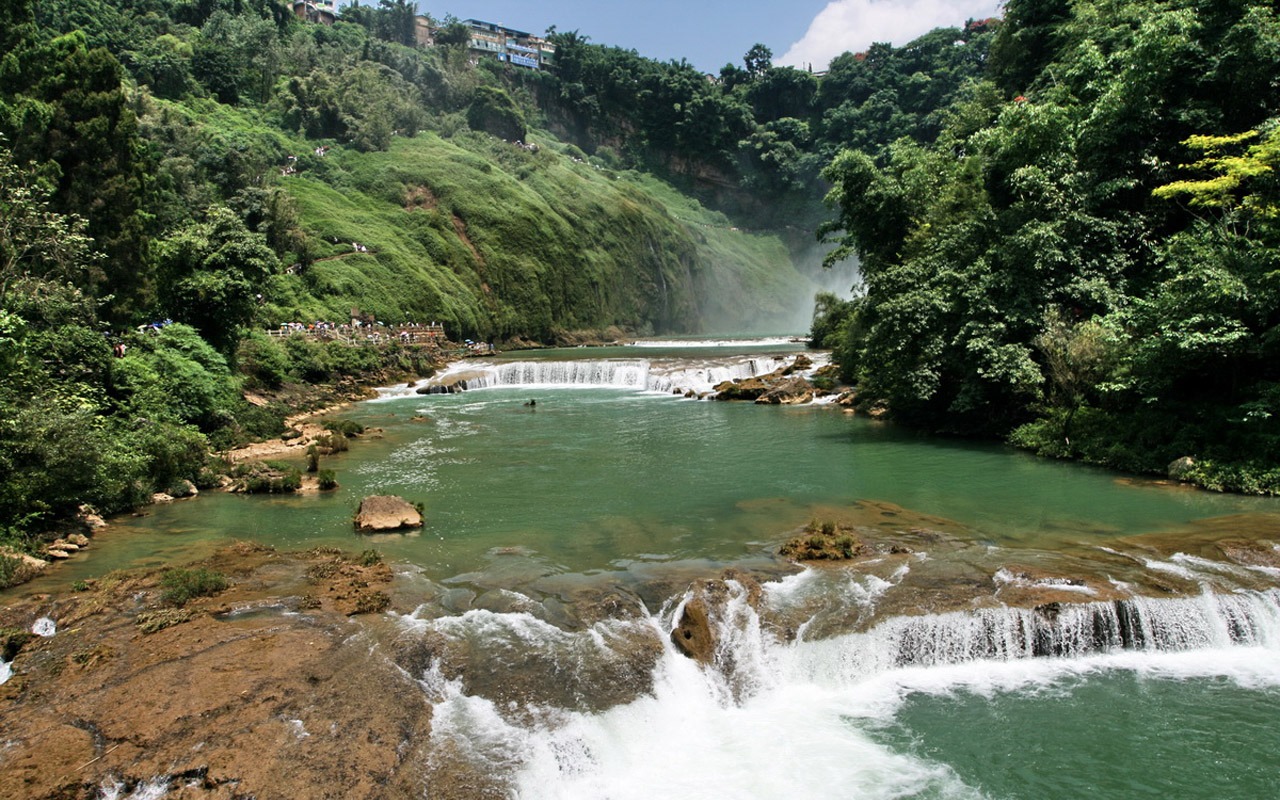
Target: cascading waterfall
column 773, row 718
column 642, row 375
column 612, row 374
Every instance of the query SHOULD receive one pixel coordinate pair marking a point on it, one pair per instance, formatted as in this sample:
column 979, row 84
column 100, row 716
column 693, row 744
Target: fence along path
column 419, row 334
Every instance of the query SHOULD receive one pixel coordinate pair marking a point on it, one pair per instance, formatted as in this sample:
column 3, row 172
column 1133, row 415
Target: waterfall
column 603, row 374
column 641, row 375
column 773, row 718
column 1076, row 630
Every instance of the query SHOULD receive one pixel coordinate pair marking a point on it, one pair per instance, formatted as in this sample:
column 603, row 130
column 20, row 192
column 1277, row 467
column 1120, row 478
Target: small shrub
column 371, row 602
column 282, row 479
column 370, row 558
column 152, row 621
column 14, row 570
column 79, row 586
column 183, row 585
column 328, row 480
column 346, row 427
column 313, row 458
column 333, row 443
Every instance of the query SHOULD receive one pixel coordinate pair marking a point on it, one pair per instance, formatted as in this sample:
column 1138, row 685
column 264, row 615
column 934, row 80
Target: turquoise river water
column 614, row 481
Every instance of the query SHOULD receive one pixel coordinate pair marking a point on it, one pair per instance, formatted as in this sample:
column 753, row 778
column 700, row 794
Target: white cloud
column 853, row 25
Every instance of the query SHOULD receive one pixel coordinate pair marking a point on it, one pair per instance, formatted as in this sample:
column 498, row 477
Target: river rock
column 90, row 519
column 78, row 539
column 1180, row 469
column 449, row 384
column 802, row 362
column 387, row 513
column 161, row 497
column 825, row 542
column 184, row 488
column 745, row 389
column 706, row 610
column 791, row 392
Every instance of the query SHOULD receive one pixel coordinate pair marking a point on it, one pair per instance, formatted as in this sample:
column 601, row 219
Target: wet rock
column 56, row 553
column 792, row 392
column 78, row 539
column 449, row 384
column 90, row 519
column 387, row 513
column 13, row 640
column 706, row 610
column 782, row 386
column 261, row 705
column 1250, row 553
column 161, row 497
column 745, row 389
column 801, row 363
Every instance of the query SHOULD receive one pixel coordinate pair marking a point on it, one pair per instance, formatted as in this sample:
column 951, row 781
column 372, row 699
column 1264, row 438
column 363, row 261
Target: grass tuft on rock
column 183, row 585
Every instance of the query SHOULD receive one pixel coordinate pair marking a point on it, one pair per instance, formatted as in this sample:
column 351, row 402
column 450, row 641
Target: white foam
column 6, row 671
column 45, row 627
column 153, row 789
column 664, row 376
column 734, row 728
column 767, row 341
column 1003, row 577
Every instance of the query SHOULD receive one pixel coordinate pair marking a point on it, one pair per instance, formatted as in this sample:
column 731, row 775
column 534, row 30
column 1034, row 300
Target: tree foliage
column 1086, row 254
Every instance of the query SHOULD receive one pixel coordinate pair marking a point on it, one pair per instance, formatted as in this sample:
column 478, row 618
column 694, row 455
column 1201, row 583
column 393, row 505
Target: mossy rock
column 823, row 542
column 12, row 640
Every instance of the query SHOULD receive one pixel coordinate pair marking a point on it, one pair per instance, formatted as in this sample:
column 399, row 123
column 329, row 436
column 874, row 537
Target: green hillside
column 497, row 240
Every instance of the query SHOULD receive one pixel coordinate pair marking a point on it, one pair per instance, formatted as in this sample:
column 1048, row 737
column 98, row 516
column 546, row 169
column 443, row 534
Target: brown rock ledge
column 242, row 698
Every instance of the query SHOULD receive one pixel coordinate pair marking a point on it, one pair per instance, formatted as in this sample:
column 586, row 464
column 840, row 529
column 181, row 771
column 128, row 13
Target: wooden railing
column 430, row 334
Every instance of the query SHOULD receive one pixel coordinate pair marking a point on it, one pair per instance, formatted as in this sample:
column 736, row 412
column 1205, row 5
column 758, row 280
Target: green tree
column 211, row 273
column 758, row 60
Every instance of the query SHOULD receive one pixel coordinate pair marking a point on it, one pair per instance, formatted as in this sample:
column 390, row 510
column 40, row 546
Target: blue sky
column 711, row 33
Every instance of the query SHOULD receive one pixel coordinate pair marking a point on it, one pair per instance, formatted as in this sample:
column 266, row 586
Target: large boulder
column 743, row 389
column 782, row 386
column 1181, row 469
column 384, row 512
column 708, row 606
column 793, row 391
column 449, row 384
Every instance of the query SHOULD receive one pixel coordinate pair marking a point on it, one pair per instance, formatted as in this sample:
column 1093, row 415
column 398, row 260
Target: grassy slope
column 498, row 241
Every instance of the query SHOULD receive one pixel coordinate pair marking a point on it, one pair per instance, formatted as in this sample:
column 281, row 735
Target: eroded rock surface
column 386, row 512
column 240, row 699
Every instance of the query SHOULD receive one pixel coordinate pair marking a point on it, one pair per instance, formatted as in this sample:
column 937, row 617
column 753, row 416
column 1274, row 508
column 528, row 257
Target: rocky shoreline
column 291, row 677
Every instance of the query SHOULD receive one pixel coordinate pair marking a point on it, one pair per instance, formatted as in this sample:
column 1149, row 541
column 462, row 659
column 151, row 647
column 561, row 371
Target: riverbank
column 319, row 669
column 267, row 689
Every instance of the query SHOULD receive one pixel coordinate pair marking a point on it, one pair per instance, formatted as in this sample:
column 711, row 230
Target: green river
column 614, row 481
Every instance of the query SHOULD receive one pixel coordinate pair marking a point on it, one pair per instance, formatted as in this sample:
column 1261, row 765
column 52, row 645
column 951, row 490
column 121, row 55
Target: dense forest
column 1065, row 220
column 1084, row 258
